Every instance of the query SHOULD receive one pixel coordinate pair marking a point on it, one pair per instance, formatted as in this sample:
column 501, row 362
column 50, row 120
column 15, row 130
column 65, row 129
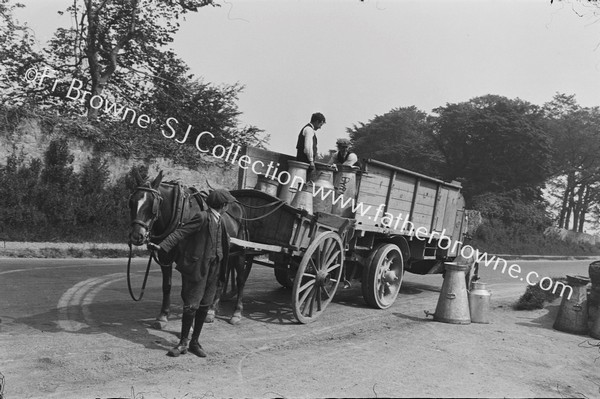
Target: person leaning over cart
column 307, row 141
column 202, row 262
column 344, row 156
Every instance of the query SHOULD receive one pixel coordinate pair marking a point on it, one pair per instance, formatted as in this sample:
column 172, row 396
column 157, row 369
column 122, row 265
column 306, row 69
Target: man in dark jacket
column 201, row 260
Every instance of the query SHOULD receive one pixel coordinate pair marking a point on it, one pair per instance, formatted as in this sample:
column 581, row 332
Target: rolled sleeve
column 352, row 159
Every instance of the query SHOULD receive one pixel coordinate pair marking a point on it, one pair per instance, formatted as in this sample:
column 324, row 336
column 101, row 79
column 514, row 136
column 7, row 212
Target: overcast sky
column 352, row 60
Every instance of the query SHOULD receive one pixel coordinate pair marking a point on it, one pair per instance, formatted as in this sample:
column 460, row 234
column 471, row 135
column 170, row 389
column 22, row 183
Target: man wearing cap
column 202, row 261
column 343, row 155
column 306, row 147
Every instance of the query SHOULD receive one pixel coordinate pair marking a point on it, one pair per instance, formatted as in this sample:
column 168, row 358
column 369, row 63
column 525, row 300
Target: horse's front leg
column 214, row 307
column 165, row 309
column 243, row 266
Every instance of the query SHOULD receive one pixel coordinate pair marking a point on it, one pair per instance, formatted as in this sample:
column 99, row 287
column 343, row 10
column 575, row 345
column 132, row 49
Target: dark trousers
column 197, row 297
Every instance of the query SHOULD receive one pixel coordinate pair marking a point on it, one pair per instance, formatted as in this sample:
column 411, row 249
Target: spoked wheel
column 284, row 275
column 318, row 276
column 383, row 276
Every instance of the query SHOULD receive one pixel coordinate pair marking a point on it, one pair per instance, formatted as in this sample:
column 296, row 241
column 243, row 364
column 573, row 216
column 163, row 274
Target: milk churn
column 594, row 298
column 297, row 171
column 324, row 188
column 453, row 302
column 304, row 199
column 573, row 312
column 344, row 181
column 266, row 185
column 479, row 303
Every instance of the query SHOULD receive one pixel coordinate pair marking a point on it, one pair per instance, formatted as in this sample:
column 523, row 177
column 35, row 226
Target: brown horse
column 157, row 208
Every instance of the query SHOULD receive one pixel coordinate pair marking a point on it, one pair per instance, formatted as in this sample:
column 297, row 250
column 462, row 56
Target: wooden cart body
column 428, row 213
column 281, row 228
column 404, row 221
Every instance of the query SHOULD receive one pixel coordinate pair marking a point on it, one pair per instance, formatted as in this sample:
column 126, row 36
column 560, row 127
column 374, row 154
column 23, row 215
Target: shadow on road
column 546, row 321
column 120, row 318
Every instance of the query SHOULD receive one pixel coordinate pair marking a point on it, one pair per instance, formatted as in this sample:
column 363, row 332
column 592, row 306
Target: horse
column 157, row 208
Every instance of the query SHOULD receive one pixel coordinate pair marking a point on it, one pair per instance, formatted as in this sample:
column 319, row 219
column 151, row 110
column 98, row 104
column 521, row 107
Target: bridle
column 156, row 202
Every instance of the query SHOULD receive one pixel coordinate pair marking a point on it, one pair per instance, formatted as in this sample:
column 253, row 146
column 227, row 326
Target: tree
column 401, row 137
column 575, row 132
column 117, row 45
column 495, row 144
column 16, row 52
column 192, row 102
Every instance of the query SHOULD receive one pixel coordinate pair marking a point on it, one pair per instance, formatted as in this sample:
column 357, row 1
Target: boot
column 180, row 349
column 196, row 349
column 186, row 324
column 195, row 346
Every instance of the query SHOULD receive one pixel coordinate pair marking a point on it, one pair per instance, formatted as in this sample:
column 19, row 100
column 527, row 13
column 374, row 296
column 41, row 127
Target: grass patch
column 72, row 252
column 535, row 297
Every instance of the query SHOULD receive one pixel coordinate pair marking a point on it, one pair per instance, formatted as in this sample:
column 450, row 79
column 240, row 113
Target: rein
column 129, row 275
column 278, row 203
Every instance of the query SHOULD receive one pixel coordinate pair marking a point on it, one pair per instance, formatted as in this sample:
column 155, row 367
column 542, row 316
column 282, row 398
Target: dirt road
column 69, row 330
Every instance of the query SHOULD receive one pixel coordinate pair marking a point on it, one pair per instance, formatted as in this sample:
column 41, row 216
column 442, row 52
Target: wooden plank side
column 372, row 193
column 452, row 206
column 426, row 194
column 438, row 219
column 402, row 194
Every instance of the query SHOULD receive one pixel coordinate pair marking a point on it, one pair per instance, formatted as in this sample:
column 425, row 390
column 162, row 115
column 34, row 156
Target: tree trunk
column 570, row 207
column 562, row 220
column 578, row 205
column 95, row 42
column 584, row 208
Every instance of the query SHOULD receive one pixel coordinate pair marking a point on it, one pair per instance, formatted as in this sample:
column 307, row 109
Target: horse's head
column 144, row 209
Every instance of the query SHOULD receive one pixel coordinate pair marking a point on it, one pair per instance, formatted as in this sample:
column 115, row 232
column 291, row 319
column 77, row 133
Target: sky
column 353, row 60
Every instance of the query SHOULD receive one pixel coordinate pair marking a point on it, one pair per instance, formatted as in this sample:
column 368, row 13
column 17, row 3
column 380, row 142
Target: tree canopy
column 402, row 137
column 494, row 144
column 113, row 65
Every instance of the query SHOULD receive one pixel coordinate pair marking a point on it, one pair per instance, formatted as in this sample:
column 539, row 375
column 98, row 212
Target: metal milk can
column 573, row 312
column 594, row 297
column 479, row 303
column 297, row 171
column 304, row 199
column 324, row 190
column 266, row 185
column 453, row 302
column 344, row 181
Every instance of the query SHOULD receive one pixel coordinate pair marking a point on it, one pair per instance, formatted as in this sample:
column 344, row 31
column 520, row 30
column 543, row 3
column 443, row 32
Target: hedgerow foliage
column 45, row 200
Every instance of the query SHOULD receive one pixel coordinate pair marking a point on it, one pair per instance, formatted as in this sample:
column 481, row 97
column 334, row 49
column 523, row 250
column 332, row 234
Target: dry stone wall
column 29, row 139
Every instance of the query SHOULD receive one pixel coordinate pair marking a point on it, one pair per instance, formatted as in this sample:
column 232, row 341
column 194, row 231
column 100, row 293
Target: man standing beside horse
column 202, row 262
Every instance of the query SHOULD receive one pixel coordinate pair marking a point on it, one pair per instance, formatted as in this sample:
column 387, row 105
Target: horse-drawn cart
column 399, row 221
column 313, row 245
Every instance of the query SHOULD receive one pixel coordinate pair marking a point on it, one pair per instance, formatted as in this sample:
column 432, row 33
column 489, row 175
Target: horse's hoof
column 163, row 317
column 235, row 319
column 159, row 325
column 210, row 316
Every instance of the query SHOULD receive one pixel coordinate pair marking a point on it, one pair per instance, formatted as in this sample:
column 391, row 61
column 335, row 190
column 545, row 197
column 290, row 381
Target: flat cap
column 343, row 142
column 217, row 198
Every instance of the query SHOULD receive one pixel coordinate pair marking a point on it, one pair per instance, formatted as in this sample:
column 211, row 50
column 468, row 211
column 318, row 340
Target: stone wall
column 29, row 139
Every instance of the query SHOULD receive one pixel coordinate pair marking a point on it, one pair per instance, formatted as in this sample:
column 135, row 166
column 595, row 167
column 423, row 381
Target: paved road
column 61, row 307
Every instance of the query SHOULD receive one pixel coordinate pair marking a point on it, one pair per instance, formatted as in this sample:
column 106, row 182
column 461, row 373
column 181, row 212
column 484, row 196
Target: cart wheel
column 383, row 276
column 318, row 276
column 284, row 275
